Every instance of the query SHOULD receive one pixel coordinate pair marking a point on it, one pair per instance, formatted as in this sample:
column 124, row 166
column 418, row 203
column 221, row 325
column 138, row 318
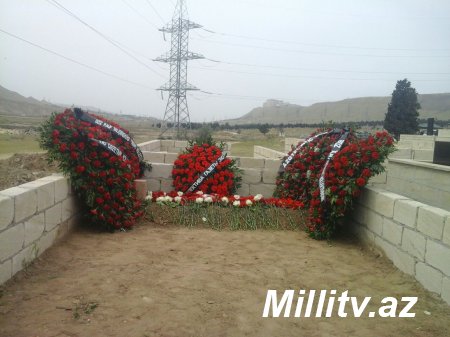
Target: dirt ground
column 21, row 168
column 174, row 281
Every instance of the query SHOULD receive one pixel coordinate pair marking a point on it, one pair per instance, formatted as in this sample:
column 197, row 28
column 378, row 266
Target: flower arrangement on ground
column 204, row 167
column 102, row 162
column 328, row 171
column 233, row 211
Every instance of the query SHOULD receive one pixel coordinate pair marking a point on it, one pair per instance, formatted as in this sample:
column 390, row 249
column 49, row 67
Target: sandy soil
column 21, row 168
column 172, row 281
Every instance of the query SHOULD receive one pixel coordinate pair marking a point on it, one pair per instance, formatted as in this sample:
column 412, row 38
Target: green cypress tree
column 402, row 114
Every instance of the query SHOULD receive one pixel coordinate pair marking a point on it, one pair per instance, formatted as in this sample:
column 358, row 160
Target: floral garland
column 101, row 164
column 196, row 160
column 346, row 173
column 199, row 197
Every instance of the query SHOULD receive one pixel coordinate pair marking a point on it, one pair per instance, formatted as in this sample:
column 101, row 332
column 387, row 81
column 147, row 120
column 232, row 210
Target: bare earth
column 172, row 281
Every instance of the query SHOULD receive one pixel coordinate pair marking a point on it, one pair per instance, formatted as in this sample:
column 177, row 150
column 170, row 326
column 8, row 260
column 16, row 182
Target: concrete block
column 392, row 231
column 403, row 261
column 251, row 176
column 265, row 189
column 386, row 247
column 161, row 171
column 46, row 241
column 170, row 158
column 374, row 222
column 423, row 155
column 173, row 150
column 403, row 153
column 6, row 211
column 269, row 176
column 368, row 196
column 429, row 277
column 249, row 162
column 69, row 208
column 405, row 212
column 244, row 190
column 53, row 217
column 167, row 143
column 414, row 243
column 181, row 144
column 5, row 271
column 363, row 234
column 445, row 293
column 11, row 241
column 379, row 178
column 359, row 214
column 154, row 157
column 166, row 185
column 34, row 228
column 384, row 203
column 25, row 202
column 154, row 184
column 62, row 189
column 45, row 193
column 272, row 164
column 24, row 258
column 431, row 220
column 438, row 256
column 446, row 234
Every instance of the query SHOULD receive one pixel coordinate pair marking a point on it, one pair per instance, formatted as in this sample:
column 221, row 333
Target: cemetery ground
column 167, row 280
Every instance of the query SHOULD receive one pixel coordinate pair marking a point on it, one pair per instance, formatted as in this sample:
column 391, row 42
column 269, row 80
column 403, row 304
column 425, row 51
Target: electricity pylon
column 177, row 112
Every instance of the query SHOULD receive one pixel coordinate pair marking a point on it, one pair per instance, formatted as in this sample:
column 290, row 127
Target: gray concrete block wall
column 413, row 235
column 32, row 217
column 264, row 152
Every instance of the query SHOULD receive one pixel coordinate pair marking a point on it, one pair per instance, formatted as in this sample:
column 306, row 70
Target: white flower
column 204, row 219
column 160, row 199
column 167, row 198
column 236, row 203
column 177, row 199
column 248, row 202
column 224, row 200
column 180, row 194
column 258, row 197
column 208, row 199
column 199, row 192
column 236, row 196
column 148, row 197
column 199, row 200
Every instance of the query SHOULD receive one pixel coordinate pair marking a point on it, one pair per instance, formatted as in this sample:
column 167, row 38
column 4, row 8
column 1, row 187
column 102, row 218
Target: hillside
column 348, row 110
column 18, row 110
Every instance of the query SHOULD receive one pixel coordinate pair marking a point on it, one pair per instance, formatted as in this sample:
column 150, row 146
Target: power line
column 139, row 14
column 74, row 61
column 324, row 70
column 154, row 9
column 320, row 53
column 103, row 36
column 314, row 77
column 318, row 44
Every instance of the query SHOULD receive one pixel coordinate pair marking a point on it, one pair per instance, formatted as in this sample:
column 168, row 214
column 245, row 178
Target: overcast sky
column 298, row 51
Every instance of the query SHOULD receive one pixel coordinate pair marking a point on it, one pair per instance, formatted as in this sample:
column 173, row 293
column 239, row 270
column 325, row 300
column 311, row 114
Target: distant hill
column 14, row 104
column 347, row 110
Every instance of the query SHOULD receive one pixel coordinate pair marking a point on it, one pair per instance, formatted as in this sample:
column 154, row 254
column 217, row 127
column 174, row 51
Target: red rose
column 360, row 181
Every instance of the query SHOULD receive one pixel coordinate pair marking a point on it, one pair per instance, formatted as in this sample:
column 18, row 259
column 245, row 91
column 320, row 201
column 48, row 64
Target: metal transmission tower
column 177, row 112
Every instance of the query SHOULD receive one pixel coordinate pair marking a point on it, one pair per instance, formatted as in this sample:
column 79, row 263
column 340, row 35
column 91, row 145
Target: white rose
column 199, row 192
column 177, row 199
column 236, row 203
column 208, row 199
column 204, row 219
column 160, row 199
column 258, row 197
column 248, row 202
column 169, row 199
column 199, row 200
column 236, row 196
column 180, row 194
column 224, row 200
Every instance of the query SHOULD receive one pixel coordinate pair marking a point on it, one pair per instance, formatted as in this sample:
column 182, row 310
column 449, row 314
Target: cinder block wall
column 258, row 174
column 413, row 235
column 264, row 152
column 33, row 216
